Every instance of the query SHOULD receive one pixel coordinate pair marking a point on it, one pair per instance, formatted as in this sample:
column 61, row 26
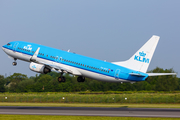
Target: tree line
column 48, row 83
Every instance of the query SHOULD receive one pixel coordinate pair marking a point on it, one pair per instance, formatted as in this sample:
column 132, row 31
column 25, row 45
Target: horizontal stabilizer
column 135, row 74
column 159, row 74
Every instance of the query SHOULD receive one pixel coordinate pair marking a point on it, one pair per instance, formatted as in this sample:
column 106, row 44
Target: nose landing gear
column 14, row 63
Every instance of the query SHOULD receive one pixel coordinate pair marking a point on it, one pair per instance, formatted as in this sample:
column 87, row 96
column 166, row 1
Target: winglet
column 34, row 57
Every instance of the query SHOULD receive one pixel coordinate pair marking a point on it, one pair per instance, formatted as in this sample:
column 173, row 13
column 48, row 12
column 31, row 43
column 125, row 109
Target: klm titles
column 141, row 57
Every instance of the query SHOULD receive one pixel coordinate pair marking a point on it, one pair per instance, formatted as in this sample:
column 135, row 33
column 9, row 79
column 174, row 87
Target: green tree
column 25, row 86
column 42, row 83
column 15, row 79
column 2, row 84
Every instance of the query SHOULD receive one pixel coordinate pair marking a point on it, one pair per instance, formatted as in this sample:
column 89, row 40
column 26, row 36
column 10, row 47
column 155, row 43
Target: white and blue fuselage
column 86, row 66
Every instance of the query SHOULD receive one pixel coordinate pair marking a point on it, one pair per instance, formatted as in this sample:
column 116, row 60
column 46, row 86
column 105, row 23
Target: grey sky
column 111, row 30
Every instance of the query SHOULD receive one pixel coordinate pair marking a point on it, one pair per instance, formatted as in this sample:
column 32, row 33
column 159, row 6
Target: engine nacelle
column 39, row 68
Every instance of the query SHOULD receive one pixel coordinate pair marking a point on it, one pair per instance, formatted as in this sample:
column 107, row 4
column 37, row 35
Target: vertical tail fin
column 141, row 59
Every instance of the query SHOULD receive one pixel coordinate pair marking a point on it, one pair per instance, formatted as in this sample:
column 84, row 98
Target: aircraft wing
column 62, row 69
column 34, row 57
column 58, row 68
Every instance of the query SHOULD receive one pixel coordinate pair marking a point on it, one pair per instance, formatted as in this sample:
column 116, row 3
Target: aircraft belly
column 100, row 77
column 23, row 57
column 17, row 55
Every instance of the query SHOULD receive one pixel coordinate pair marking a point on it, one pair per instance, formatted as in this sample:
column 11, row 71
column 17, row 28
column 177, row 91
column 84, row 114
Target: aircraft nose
column 3, row 49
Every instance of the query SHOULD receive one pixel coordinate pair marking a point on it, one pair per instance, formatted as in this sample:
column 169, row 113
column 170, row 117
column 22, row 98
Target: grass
column 45, row 117
column 128, row 98
column 114, row 105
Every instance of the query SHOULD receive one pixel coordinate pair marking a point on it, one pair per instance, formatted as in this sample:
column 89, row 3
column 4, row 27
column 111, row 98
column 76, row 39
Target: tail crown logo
column 142, row 54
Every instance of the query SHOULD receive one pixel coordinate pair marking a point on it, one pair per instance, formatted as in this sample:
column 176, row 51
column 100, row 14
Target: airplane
column 44, row 59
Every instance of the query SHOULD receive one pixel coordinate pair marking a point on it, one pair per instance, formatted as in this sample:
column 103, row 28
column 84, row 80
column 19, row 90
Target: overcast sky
column 111, row 30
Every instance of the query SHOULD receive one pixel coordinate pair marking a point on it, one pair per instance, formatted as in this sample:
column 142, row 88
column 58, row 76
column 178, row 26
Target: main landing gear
column 61, row 78
column 81, row 79
column 14, row 63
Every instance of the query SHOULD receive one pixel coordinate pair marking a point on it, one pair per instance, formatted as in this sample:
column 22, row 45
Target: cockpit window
column 8, row 44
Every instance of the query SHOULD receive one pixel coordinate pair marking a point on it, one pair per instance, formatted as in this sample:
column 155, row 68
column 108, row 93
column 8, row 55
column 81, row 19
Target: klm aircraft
column 44, row 59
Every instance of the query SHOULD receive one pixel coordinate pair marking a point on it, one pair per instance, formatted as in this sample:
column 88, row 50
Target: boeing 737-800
column 45, row 59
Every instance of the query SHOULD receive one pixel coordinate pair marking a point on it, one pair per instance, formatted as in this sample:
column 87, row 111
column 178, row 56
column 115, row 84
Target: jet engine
column 39, row 68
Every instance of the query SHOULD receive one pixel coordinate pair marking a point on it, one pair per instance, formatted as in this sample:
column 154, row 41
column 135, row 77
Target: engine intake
column 39, row 68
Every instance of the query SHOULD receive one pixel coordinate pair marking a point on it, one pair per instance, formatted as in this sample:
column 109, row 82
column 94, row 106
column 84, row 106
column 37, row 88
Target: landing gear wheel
column 61, row 79
column 81, row 79
column 14, row 63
